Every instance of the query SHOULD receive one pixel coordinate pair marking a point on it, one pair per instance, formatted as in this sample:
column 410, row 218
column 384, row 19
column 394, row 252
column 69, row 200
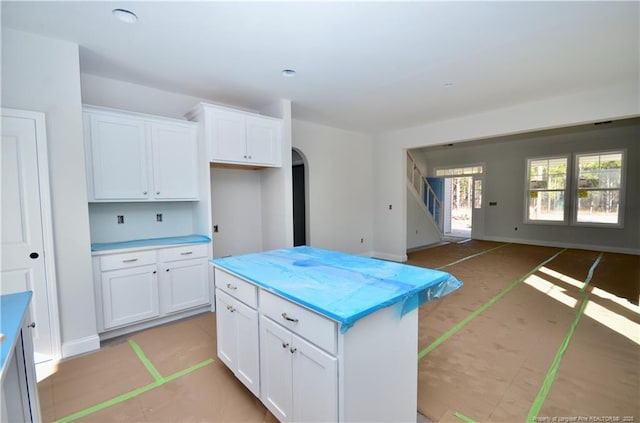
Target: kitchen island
column 320, row 335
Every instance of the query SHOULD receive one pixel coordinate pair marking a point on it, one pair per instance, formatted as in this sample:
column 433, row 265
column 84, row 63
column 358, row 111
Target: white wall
column 421, row 230
column 505, row 184
column 340, row 186
column 42, row 74
column 619, row 100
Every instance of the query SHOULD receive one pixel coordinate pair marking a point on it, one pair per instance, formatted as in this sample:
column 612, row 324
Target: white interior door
column 25, row 260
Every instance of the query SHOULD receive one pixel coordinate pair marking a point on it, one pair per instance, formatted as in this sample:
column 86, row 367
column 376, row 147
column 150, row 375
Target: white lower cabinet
column 184, row 280
column 143, row 285
column 310, row 371
column 299, row 380
column 129, row 295
column 237, row 328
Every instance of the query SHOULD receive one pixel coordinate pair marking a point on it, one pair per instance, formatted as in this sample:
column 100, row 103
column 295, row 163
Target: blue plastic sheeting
column 151, row 242
column 340, row 286
column 12, row 309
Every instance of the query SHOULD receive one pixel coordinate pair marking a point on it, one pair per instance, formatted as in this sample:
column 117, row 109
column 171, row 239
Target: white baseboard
column 80, row 346
column 577, row 246
column 391, row 257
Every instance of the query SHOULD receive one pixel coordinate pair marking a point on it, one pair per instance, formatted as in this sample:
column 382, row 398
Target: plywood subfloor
column 486, row 349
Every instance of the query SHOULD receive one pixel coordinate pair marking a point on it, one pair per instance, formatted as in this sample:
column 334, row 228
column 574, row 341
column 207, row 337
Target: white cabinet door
column 315, row 383
column 226, row 329
column 275, row 369
column 175, row 162
column 129, row 295
column 237, row 329
column 227, row 136
column 263, row 140
column 185, row 284
column 118, row 158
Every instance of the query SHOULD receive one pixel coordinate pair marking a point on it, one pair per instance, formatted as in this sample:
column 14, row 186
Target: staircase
column 423, row 188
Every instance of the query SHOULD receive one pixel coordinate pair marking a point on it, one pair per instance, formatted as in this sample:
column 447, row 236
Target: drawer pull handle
column 285, row 345
column 231, row 286
column 129, row 260
column 291, row 319
column 231, row 309
column 293, row 350
column 186, row 253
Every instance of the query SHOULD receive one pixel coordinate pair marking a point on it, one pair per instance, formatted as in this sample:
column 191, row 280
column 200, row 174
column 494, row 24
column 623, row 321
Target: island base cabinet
column 237, row 335
column 20, row 402
column 299, row 381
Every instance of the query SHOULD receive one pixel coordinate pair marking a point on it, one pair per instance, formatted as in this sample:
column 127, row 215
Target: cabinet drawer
column 310, row 325
column 127, row 260
column 183, row 252
column 236, row 287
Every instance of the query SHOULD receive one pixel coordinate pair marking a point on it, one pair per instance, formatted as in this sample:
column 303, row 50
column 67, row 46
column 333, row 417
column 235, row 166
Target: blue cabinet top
column 341, row 286
column 151, row 242
column 12, row 310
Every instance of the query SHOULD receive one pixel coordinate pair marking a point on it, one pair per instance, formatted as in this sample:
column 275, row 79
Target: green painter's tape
column 159, row 381
column 109, row 403
column 187, row 371
column 591, row 270
column 482, row 308
column 147, row 363
column 471, row 256
column 464, row 418
column 551, row 374
column 548, row 380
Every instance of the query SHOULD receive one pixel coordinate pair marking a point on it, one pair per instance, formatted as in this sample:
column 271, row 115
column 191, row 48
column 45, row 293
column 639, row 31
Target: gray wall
column 505, row 166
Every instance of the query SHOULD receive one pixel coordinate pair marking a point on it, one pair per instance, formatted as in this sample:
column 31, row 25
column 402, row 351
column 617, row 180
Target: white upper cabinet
column 133, row 157
column 240, row 138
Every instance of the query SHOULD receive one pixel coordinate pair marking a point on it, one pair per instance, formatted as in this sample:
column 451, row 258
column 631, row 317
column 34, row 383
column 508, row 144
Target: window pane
column 598, row 206
column 548, row 173
column 546, row 205
column 599, row 170
column 477, row 194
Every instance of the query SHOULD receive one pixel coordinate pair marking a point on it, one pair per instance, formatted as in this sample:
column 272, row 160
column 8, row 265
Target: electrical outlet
column 120, row 219
column 159, row 217
column 215, row 228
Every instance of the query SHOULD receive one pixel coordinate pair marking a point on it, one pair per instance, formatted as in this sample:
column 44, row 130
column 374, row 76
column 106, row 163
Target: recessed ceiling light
column 125, row 15
column 288, row 73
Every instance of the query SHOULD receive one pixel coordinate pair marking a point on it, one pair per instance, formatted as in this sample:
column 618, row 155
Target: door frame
column 39, row 120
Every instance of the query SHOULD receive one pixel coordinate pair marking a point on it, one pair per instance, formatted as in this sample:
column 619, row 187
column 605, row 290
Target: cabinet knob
column 144, row 192
column 285, row 345
column 293, row 350
column 290, row 319
column 154, row 272
column 34, row 255
column 231, row 286
column 32, row 325
column 157, row 192
column 167, row 270
column 231, row 309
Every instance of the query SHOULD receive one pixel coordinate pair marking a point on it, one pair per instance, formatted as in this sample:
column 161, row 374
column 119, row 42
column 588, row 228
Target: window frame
column 567, row 191
column 576, row 188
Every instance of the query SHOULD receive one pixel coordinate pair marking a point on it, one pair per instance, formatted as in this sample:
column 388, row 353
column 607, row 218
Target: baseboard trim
column 391, row 257
column 80, row 346
column 576, row 246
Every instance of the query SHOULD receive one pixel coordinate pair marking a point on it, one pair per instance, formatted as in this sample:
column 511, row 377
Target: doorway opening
column 462, row 203
column 299, row 183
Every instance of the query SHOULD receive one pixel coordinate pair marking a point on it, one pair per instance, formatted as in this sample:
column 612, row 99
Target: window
column 546, row 188
column 460, row 171
column 598, row 189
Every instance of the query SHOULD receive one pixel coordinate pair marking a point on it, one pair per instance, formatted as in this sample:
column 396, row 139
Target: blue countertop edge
column 12, row 310
column 407, row 301
column 151, row 242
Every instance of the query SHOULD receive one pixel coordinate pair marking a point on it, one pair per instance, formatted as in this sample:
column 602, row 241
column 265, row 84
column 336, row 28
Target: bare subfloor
column 525, row 337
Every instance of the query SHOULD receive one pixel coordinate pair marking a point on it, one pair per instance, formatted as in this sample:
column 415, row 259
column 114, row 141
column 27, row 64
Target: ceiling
column 362, row 66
